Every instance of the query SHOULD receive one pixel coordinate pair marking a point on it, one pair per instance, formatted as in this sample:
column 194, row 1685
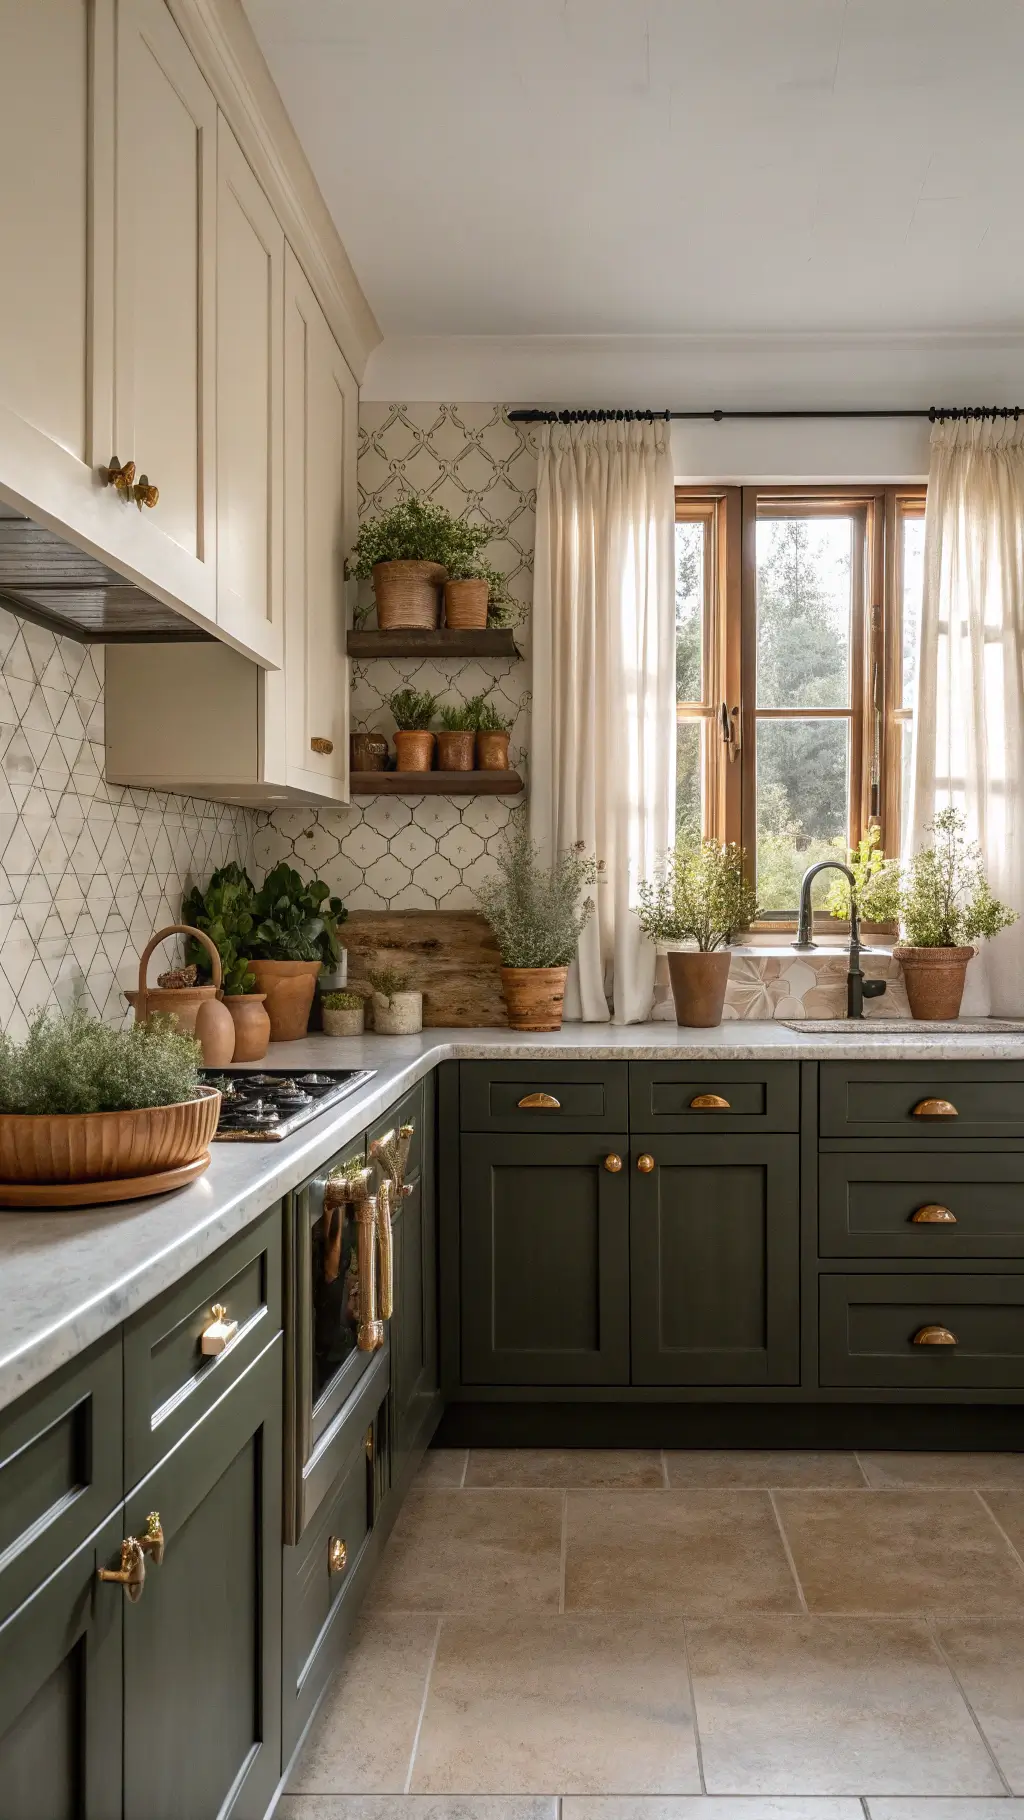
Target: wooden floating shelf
column 440, row 641
column 436, row 783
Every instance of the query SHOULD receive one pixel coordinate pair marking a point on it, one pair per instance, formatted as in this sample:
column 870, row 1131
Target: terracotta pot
column 698, row 985
column 369, row 751
column 180, row 1002
column 252, row 1025
column 399, row 1015
column 408, row 594
column 534, row 996
column 456, row 751
column 215, row 1031
column 492, row 751
column 414, row 750
column 465, row 604
column 289, row 988
column 934, row 979
column 340, row 1022
column 105, row 1146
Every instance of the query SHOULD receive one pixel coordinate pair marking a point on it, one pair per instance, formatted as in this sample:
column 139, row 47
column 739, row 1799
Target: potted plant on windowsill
column 456, row 740
column 944, row 907
column 537, row 915
column 409, row 551
column 295, row 931
column 225, row 913
column 701, row 896
column 413, row 711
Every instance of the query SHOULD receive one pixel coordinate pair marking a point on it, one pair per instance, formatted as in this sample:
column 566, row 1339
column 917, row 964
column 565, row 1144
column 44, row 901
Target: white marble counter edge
column 123, row 1256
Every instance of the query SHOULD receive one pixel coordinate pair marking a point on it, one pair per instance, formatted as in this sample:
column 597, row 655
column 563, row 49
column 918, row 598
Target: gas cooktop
column 263, row 1105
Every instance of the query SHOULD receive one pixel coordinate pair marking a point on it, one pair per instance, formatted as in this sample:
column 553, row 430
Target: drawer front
column 317, row 1575
column 565, row 1096
column 864, row 1099
column 894, row 1205
column 169, row 1382
column 350, row 1427
column 869, row 1324
column 408, row 1111
column 750, row 1096
column 60, row 1468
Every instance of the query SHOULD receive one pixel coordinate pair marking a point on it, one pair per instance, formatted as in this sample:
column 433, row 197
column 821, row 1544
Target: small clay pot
column 399, row 1015
column 456, row 751
column 698, row 985
column 288, row 987
column 465, row 604
column 369, row 751
column 344, row 1022
column 414, row 750
column 534, row 997
column 492, row 751
column 215, row 1032
column 408, row 594
column 252, row 1025
column 934, row 979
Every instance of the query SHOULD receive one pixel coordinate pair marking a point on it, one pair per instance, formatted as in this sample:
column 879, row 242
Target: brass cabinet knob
column 933, row 1215
column 645, row 1163
column 935, row 1109
column 323, row 746
column 613, row 1164
column 337, row 1556
column 144, row 493
column 709, row 1102
column 935, row 1336
column 118, row 477
column 152, row 1540
column 536, row 1102
column 132, row 1572
column 218, row 1332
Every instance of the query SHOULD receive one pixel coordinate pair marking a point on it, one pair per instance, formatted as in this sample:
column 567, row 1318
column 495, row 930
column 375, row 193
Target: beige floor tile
column 362, row 1739
column 564, row 1467
column 420, row 1807
column 887, row 1471
column 698, row 1553
column 473, row 1551
column 766, row 1471
column 895, row 1552
column 442, row 1467
column 711, row 1807
column 1008, row 1509
column 582, row 1705
column 825, row 1706
column 944, row 1808
column 988, row 1660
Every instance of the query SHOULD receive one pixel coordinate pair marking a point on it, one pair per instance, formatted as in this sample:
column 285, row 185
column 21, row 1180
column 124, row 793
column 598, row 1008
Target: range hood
column 48, row 580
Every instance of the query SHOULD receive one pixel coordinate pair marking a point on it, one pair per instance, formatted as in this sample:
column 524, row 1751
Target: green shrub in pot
column 79, row 1064
column 537, row 914
column 295, row 932
column 409, row 551
column 397, row 1011
column 700, row 895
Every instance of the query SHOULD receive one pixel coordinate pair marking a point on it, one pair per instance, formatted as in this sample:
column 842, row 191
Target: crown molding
column 224, row 45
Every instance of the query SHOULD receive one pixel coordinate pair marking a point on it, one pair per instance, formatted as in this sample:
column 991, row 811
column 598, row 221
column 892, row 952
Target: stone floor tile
column 889, row 1471
column 421, row 1807
column 607, row 1468
column 711, row 1807
column 362, row 1738
column 937, row 1807
column 698, row 1553
column 988, row 1660
column 473, row 1551
column 767, row 1471
column 1008, row 1509
column 443, row 1467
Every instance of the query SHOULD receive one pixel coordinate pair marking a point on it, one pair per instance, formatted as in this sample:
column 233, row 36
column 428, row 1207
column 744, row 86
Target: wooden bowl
column 104, row 1146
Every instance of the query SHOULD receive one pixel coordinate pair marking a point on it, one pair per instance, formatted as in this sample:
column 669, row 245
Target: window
column 797, row 614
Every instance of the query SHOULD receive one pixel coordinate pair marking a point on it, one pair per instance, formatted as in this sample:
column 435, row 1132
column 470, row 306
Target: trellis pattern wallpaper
column 426, row 853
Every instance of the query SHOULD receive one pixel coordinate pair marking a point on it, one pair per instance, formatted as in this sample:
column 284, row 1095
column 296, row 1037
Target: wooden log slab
column 449, row 955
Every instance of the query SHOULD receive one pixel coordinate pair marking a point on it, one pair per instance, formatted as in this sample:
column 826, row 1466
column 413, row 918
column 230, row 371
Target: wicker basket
column 408, row 595
column 465, row 604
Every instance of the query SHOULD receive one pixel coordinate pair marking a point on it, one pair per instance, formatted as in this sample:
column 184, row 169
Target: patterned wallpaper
column 426, row 853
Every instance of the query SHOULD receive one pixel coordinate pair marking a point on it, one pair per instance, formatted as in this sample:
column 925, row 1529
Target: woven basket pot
column 934, row 979
column 456, row 751
column 465, row 604
column 492, row 751
column 534, row 997
column 414, row 750
column 289, row 988
column 408, row 594
column 698, row 986
column 73, row 1147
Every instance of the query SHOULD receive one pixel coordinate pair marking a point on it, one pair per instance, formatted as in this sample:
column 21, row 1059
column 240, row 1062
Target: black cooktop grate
column 263, row 1105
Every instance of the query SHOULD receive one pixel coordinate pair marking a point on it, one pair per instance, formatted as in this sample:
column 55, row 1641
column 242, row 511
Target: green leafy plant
column 700, row 895
column 295, row 919
column 501, row 608
column 458, row 717
column 386, row 981
column 342, row 1001
column 536, row 911
column 416, row 530
column 487, row 719
column 941, row 897
column 868, row 864
column 78, row 1064
column 413, row 710
column 224, row 911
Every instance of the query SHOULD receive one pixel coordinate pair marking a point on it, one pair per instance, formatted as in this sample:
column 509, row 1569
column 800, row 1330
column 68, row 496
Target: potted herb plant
column 537, row 915
column 476, row 595
column 944, row 907
column 701, row 896
column 225, row 914
column 396, row 1010
column 343, row 1013
column 90, row 1113
column 456, row 741
column 295, row 930
column 409, row 550
column 491, row 738
column 414, row 743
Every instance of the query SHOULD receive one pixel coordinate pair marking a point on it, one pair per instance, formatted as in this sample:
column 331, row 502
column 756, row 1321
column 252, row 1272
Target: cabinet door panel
column 545, row 1261
column 715, row 1261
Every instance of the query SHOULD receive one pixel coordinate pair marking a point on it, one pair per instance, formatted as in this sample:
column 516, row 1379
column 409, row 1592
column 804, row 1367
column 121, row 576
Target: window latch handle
column 729, row 723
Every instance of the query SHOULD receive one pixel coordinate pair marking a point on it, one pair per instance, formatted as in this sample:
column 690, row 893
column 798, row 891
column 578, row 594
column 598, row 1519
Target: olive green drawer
column 560, row 1096
column 886, row 1204
column 891, row 1100
column 868, row 1326
column 60, row 1468
column 407, row 1111
column 351, row 1424
column 168, row 1381
column 703, row 1098
column 317, row 1575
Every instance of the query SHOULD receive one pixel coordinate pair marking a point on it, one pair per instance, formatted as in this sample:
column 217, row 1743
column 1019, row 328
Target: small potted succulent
column 456, row 740
column 396, row 1010
column 295, row 931
column 537, row 915
column 698, row 896
column 476, row 595
column 491, row 738
column 409, row 551
column 343, row 1013
column 413, row 711
column 225, row 914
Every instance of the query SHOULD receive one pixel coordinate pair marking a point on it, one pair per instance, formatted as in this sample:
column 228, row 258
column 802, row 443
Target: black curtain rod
column 934, row 413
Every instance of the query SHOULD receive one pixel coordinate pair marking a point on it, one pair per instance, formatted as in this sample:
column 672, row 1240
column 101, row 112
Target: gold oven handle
column 385, row 1250
column 540, row 1102
column 935, row 1336
column 370, row 1336
column 933, row 1215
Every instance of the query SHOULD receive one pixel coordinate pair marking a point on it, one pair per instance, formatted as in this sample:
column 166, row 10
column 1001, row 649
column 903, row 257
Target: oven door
column 325, row 1306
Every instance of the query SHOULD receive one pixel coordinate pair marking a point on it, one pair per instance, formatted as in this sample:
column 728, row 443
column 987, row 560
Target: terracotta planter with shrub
column 288, row 987
column 456, row 751
column 934, row 979
column 698, row 982
column 465, row 604
column 252, row 1025
column 414, row 750
column 408, row 595
column 492, row 751
column 534, row 996
column 74, row 1147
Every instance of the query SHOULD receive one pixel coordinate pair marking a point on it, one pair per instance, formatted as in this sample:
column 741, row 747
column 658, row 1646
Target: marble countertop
column 70, row 1277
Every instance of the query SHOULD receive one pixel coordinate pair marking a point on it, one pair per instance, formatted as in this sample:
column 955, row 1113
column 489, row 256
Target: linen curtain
column 969, row 721
column 603, row 733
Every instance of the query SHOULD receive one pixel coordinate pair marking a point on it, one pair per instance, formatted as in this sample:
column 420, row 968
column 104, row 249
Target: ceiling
column 665, row 166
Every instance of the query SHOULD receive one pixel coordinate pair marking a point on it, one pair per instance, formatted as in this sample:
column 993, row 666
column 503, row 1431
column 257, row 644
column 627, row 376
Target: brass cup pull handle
column 120, row 478
column 152, row 1540
column 645, row 1163
column 540, row 1102
column 324, row 746
column 144, row 493
column 337, row 1555
column 935, row 1336
column 709, row 1102
column 933, row 1215
column 218, row 1332
column 935, row 1109
column 613, row 1164
column 132, row 1572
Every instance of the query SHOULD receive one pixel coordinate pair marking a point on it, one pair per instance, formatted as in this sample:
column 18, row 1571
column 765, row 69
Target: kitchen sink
column 905, row 1026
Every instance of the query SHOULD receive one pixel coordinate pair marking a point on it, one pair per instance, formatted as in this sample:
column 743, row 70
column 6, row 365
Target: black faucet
column 857, row 987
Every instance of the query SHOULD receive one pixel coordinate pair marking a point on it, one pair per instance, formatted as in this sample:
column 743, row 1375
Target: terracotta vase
column 215, row 1031
column 465, row 604
column 492, row 751
column 456, row 751
column 248, row 1013
column 534, row 997
column 408, row 594
column 698, row 985
column 414, row 750
column 105, row 1146
column 288, row 987
column 934, row 979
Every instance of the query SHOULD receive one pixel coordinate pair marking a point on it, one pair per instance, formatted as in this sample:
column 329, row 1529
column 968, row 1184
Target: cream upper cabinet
column 250, row 404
